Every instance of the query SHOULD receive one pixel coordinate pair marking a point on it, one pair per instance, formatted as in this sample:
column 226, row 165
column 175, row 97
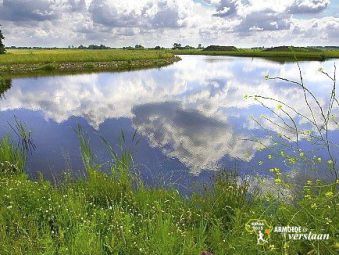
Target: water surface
column 191, row 117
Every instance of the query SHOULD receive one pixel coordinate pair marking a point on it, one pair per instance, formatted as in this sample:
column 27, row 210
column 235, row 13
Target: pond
column 191, row 119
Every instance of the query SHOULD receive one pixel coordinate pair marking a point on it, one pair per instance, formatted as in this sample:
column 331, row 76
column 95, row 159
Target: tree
column 139, row 46
column 2, row 46
column 176, row 46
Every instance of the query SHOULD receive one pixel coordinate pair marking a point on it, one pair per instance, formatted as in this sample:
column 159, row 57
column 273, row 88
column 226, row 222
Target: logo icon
column 261, row 229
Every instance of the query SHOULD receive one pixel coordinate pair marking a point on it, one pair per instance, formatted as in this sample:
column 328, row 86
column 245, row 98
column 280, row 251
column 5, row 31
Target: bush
column 2, row 46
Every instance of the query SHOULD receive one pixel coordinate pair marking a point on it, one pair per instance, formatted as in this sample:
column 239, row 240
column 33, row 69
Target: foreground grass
column 68, row 60
column 274, row 55
column 117, row 214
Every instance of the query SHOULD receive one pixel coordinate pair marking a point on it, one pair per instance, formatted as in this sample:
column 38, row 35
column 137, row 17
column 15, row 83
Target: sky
column 118, row 23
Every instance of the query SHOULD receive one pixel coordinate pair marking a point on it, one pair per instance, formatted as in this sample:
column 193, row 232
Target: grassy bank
column 116, row 214
column 275, row 55
column 18, row 62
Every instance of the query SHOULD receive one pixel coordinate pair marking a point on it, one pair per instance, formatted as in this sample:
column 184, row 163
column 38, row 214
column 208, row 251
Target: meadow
column 284, row 55
column 40, row 61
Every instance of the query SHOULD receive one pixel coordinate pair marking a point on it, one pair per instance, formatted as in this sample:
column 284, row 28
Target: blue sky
column 117, row 23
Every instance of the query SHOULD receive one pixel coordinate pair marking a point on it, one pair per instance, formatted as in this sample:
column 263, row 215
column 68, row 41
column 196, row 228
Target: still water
column 191, row 118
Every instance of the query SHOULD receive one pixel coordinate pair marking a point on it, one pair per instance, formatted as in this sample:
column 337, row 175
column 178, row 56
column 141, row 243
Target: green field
column 76, row 55
column 275, row 55
column 16, row 62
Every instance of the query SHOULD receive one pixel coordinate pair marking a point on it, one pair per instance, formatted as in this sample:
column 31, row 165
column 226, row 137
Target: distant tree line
column 220, row 48
column 2, row 45
column 138, row 47
column 94, row 47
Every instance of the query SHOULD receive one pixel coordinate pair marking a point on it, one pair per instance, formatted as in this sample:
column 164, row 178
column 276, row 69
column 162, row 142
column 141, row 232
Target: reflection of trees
column 5, row 84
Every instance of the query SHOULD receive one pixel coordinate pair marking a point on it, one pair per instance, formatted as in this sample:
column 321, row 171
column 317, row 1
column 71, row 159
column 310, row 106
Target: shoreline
column 29, row 70
column 277, row 56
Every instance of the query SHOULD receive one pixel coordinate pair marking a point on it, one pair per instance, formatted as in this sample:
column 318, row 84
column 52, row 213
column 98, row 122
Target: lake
column 191, row 118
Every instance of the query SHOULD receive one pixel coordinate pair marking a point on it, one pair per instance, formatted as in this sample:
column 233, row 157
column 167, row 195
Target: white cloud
column 153, row 22
column 308, row 6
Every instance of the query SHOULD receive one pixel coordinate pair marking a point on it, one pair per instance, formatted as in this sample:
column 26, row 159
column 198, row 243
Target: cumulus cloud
column 261, row 16
column 326, row 28
column 153, row 22
column 227, row 8
column 308, row 6
column 144, row 13
column 31, row 10
column 38, row 10
column 266, row 20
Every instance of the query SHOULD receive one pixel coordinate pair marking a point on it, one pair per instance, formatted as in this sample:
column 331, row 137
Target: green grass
column 12, row 160
column 5, row 84
column 116, row 214
column 18, row 62
column 69, row 55
column 275, row 55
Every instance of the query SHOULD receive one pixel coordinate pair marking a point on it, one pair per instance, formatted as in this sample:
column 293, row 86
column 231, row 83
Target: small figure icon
column 261, row 239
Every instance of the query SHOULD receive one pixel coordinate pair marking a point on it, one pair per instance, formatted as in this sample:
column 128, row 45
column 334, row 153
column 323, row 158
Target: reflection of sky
column 191, row 115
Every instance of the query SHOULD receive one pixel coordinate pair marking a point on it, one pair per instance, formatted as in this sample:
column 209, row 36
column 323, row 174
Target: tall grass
column 12, row 159
column 108, row 214
column 5, row 84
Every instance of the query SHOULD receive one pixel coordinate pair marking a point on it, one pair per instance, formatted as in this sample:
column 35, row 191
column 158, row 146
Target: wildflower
column 328, row 221
column 277, row 181
column 270, row 156
column 329, row 194
column 308, row 196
